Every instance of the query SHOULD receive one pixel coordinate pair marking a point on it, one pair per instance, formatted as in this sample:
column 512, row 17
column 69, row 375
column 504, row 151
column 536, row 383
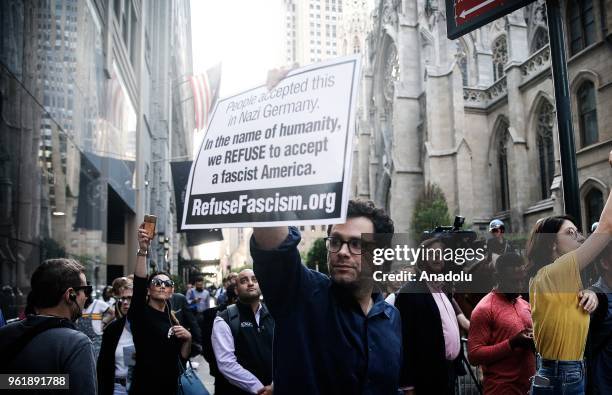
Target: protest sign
column 279, row 156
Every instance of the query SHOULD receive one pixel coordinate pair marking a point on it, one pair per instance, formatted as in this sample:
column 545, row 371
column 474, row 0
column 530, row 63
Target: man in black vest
column 242, row 342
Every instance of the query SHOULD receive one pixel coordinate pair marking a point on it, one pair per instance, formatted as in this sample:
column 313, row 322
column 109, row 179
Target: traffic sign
column 463, row 16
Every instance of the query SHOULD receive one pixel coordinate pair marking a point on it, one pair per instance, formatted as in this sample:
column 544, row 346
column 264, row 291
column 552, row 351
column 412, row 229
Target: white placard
column 280, row 156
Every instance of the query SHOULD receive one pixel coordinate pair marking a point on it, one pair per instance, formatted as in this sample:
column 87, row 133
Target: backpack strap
column 21, row 342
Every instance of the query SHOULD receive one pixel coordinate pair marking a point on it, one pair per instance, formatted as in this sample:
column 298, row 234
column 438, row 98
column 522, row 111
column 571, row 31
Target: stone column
column 407, row 177
column 517, row 154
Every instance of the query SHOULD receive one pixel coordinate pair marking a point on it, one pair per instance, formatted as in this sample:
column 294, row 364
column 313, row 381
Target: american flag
column 205, row 89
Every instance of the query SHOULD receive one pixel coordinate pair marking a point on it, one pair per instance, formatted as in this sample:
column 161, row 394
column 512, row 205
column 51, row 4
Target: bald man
column 242, row 342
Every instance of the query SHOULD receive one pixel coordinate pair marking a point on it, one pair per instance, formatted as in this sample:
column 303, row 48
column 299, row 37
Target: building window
column 540, row 39
column 500, row 57
column 593, row 204
column 581, row 25
column 392, row 73
column 546, row 153
column 117, row 9
column 133, row 37
column 356, row 46
column 502, row 162
column 462, row 61
column 587, row 113
column 124, row 24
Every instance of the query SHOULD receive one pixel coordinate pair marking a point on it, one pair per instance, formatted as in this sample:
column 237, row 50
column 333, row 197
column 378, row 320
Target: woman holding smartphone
column 560, row 305
column 158, row 338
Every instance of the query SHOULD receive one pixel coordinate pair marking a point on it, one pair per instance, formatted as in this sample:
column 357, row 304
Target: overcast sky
column 245, row 35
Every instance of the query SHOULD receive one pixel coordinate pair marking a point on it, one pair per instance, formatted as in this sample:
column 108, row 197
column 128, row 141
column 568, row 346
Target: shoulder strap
column 16, row 347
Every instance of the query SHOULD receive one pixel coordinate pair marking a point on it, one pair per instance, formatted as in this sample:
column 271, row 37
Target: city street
column 385, row 195
column 204, row 374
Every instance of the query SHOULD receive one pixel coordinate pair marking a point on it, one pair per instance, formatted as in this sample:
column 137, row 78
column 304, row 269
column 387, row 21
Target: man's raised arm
column 270, row 238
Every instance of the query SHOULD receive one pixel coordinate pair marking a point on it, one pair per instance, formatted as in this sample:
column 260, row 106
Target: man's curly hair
column 366, row 208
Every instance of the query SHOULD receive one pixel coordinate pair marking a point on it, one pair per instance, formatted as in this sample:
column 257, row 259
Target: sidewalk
column 204, row 373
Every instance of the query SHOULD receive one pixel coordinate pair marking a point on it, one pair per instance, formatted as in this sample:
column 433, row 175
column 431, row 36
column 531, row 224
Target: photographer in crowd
column 161, row 343
column 430, row 329
column 47, row 341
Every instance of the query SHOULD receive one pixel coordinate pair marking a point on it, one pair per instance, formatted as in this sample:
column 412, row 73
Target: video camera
column 455, row 237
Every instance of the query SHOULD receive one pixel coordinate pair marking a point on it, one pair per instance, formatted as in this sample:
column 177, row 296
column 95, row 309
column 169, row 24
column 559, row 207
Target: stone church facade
column 476, row 115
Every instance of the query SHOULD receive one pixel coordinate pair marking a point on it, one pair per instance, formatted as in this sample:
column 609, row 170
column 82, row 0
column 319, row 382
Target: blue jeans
column 558, row 378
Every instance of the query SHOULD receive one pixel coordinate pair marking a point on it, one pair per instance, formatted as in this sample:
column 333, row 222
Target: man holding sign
column 281, row 155
column 333, row 335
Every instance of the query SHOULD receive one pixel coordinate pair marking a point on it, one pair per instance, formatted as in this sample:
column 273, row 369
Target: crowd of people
column 282, row 328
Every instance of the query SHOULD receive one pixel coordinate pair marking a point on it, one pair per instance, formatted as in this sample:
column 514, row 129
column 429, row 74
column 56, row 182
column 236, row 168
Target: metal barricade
column 471, row 383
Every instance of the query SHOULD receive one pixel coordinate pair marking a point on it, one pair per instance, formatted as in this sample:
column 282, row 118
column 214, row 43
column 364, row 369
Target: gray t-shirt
column 60, row 350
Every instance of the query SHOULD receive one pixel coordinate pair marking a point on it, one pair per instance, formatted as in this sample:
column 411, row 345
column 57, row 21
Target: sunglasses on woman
column 158, row 282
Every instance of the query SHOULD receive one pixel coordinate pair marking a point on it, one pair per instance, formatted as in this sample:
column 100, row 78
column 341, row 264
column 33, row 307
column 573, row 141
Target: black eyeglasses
column 334, row 244
column 87, row 289
column 157, row 282
column 125, row 299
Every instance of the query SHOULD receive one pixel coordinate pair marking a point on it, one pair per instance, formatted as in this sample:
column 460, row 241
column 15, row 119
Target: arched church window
column 462, row 61
column 502, row 162
column 540, row 39
column 581, row 25
column 545, row 144
column 356, row 45
column 500, row 57
column 392, row 71
column 587, row 114
column 593, row 204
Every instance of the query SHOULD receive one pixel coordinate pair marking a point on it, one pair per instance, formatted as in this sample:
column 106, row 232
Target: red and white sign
column 467, row 10
column 463, row 16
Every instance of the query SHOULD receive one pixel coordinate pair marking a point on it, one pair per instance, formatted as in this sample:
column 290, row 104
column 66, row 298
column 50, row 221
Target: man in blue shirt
column 333, row 335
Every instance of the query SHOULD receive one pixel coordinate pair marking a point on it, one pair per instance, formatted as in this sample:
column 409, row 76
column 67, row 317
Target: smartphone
column 149, row 223
column 540, row 381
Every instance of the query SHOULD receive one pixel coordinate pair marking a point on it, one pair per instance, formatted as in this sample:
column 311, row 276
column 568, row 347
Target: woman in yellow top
column 557, row 254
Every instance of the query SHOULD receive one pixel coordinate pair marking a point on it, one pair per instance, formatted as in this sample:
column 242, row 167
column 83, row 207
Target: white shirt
column 95, row 311
column 223, row 346
column 126, row 340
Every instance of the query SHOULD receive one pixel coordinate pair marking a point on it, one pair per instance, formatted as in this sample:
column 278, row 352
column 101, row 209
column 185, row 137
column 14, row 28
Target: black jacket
column 48, row 345
column 424, row 363
column 106, row 359
column 186, row 317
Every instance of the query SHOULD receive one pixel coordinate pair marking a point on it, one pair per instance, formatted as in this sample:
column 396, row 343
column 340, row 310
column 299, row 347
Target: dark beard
column 247, row 299
column 76, row 313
